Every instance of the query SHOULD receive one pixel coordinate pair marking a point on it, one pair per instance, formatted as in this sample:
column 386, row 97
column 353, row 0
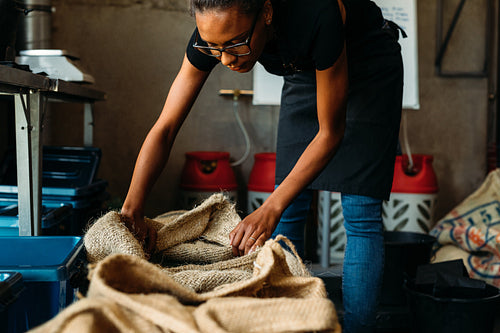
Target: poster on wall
column 404, row 14
column 267, row 87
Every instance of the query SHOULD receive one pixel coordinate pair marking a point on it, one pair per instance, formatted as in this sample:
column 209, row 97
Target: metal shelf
column 31, row 93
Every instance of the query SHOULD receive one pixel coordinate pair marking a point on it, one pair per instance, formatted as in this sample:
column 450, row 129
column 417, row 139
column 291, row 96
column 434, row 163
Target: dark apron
column 364, row 162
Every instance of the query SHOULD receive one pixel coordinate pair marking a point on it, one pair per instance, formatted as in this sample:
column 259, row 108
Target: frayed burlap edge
column 208, row 224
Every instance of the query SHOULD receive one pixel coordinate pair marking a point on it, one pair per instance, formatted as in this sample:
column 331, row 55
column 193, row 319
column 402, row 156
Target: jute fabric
column 471, row 232
column 130, row 294
column 200, row 235
column 269, row 290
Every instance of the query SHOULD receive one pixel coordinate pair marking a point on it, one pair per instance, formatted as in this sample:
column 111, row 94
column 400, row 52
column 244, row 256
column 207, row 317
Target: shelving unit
column 31, row 93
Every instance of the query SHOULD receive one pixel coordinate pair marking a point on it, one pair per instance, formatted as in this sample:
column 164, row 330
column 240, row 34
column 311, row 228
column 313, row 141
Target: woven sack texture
column 130, row 294
column 471, row 232
column 269, row 290
column 200, row 235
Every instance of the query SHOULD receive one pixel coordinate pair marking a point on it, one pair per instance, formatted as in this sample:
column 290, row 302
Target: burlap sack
column 474, row 227
column 200, row 235
column 129, row 294
column 204, row 278
column 269, row 290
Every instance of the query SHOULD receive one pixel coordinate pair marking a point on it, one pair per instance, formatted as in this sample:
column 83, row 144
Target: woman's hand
column 253, row 231
column 144, row 233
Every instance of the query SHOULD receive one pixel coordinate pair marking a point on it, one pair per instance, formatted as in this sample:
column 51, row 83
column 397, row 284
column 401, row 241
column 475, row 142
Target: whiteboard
column 404, row 14
column 267, row 87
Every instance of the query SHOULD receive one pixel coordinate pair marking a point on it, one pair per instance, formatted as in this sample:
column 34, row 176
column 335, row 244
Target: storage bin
column 47, row 264
column 404, row 252
column 68, row 179
column 11, row 288
column 63, row 168
column 82, row 211
column 55, row 221
column 432, row 314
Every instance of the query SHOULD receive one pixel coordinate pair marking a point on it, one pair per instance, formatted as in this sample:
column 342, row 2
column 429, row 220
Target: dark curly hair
column 246, row 6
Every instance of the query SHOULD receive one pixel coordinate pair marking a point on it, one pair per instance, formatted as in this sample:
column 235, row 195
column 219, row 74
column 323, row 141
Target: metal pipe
column 496, row 87
column 35, row 26
column 441, row 46
column 493, row 73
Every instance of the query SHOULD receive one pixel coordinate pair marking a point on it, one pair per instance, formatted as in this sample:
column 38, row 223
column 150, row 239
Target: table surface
column 12, row 80
column 17, row 82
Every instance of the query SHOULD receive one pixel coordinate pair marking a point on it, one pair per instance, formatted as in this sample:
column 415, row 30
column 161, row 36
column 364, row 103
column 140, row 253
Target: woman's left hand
column 253, row 231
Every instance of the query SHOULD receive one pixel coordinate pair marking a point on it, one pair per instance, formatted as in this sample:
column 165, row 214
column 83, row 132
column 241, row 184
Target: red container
column 420, row 179
column 208, row 171
column 262, row 174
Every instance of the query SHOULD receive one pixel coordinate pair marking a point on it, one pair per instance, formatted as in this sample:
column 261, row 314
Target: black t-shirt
column 309, row 34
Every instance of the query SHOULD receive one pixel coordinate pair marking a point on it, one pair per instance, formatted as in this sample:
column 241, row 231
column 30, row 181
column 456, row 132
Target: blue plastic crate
column 11, row 317
column 67, row 171
column 54, row 201
column 66, row 193
column 82, row 211
column 55, row 220
column 47, row 264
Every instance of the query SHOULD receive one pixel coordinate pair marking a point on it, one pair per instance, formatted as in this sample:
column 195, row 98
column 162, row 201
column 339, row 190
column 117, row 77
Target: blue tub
column 54, row 220
column 11, row 316
column 47, row 264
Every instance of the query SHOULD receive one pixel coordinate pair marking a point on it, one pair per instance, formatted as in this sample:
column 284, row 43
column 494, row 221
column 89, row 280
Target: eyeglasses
column 238, row 49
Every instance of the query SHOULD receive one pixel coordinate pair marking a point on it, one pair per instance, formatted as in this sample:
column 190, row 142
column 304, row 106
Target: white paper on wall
column 404, row 14
column 267, row 87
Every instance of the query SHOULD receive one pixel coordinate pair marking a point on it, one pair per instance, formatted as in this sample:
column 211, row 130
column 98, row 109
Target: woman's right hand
column 144, row 233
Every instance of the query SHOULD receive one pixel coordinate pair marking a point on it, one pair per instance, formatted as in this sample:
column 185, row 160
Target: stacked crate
column 43, row 275
column 69, row 185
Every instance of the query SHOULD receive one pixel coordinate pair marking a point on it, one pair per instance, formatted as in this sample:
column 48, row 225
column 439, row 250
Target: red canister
column 262, row 174
column 208, row 171
column 261, row 180
column 413, row 196
column 419, row 179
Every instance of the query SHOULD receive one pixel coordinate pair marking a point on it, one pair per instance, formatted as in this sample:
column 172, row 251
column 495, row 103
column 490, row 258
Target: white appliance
column 57, row 64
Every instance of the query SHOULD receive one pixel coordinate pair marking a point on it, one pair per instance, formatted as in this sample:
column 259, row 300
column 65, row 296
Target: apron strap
column 393, row 26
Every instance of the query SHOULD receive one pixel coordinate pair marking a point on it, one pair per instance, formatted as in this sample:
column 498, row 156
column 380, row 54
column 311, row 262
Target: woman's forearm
column 158, row 143
column 314, row 158
column 148, row 167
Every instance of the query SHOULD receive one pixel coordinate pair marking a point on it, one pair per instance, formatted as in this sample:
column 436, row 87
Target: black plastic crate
column 55, row 220
column 67, row 171
column 11, row 314
column 69, row 178
column 82, row 210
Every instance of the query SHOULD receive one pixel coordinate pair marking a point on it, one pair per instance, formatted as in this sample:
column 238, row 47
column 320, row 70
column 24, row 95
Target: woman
column 338, row 127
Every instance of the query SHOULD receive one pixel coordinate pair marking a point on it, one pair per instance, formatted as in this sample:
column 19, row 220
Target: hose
column 243, row 130
column 407, row 144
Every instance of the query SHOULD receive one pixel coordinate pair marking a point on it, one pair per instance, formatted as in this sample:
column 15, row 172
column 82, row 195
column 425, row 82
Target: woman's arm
column 157, row 146
column 332, row 86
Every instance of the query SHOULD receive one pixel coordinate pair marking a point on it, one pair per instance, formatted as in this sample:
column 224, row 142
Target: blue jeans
column 363, row 258
column 293, row 221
